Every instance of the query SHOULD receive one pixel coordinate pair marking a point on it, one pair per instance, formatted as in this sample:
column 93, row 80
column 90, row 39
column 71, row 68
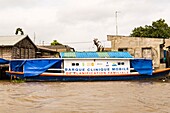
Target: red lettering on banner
column 96, row 73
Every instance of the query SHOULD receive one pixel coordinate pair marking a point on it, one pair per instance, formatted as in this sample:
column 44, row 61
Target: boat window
column 121, row 63
column 77, row 64
column 73, row 64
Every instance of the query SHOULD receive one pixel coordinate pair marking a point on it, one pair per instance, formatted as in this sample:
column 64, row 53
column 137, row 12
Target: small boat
column 85, row 66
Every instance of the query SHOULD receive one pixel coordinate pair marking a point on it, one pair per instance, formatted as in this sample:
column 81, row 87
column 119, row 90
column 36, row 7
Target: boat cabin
column 90, row 63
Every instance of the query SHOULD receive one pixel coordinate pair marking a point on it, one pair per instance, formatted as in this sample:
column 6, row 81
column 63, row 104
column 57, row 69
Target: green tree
column 55, row 42
column 158, row 29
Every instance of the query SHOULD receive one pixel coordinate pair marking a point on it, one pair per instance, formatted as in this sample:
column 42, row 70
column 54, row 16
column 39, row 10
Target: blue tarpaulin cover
column 3, row 61
column 17, row 65
column 34, row 67
column 143, row 66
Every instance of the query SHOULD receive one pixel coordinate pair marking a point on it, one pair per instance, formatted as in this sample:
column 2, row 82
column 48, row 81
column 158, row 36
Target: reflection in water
column 64, row 97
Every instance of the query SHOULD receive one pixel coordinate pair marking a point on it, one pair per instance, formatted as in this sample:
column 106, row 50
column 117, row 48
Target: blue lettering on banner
column 106, row 69
column 88, row 69
column 66, row 69
column 113, row 69
column 74, row 69
column 119, row 69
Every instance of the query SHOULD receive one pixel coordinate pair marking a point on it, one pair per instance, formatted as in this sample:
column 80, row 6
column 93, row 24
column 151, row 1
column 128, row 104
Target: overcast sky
column 77, row 22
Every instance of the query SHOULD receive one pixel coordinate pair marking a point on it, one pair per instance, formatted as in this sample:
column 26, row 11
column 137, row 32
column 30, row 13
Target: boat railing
column 55, row 70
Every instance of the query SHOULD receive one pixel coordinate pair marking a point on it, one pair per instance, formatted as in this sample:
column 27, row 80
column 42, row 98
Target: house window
column 147, row 53
column 123, row 49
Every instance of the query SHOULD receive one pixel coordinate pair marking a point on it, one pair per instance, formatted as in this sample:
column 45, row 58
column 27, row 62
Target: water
column 85, row 97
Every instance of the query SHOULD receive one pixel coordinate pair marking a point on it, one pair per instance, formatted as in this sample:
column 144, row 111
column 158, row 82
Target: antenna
column 116, row 23
column 43, row 43
column 34, row 37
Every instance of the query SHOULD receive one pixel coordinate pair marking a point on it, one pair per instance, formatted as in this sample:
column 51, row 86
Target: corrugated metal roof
column 119, row 55
column 103, row 55
column 68, row 55
column 57, row 46
column 87, row 55
column 95, row 55
column 46, row 49
column 11, row 40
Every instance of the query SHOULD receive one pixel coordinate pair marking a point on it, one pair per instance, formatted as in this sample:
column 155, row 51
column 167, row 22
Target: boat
column 85, row 66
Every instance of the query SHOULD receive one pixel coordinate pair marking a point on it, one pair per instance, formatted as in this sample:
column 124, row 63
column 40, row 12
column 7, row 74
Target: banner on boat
column 97, row 66
column 93, row 70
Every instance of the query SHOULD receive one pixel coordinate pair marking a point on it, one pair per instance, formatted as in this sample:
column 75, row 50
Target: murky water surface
column 85, row 97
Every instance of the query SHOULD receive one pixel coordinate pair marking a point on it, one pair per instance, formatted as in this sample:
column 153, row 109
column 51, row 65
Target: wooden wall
column 6, row 52
column 23, row 50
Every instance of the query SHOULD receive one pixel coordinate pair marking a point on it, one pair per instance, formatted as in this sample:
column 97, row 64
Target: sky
column 77, row 22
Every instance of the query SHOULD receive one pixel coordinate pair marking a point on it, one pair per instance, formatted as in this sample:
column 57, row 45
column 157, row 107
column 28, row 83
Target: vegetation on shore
column 158, row 29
